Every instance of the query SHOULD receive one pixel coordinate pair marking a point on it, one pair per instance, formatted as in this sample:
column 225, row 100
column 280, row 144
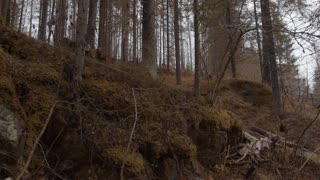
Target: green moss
column 262, row 175
column 221, row 118
column 44, row 73
column 88, row 72
column 37, row 107
column 267, row 123
column 255, row 93
column 182, row 145
column 150, row 111
column 33, row 127
column 102, row 88
column 3, row 60
column 8, row 92
column 40, row 100
column 134, row 162
column 7, row 84
column 315, row 158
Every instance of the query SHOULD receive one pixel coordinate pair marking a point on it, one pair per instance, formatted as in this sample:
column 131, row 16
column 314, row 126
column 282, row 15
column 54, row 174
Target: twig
column 225, row 159
column 48, row 165
column 305, row 130
column 304, row 164
column 132, row 132
column 25, row 168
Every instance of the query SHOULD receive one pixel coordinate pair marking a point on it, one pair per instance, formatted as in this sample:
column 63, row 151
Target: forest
column 159, row 89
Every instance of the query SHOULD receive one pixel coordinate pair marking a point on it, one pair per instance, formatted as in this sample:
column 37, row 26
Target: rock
column 10, row 127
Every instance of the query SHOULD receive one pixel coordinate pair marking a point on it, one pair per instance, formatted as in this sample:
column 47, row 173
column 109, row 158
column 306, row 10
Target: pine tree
column 91, row 31
column 177, row 41
column 43, row 22
column 60, row 21
column 197, row 49
column 269, row 57
column 149, row 59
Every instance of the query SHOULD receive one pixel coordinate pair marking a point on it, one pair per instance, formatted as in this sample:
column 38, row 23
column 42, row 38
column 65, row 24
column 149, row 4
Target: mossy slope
column 171, row 124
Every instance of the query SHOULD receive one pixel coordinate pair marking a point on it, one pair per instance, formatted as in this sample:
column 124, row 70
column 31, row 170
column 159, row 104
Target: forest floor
column 176, row 136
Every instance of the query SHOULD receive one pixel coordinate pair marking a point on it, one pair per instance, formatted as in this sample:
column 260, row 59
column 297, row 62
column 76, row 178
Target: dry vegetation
column 175, row 135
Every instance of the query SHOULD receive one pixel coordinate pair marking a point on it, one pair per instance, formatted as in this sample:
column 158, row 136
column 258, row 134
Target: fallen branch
column 313, row 153
column 132, row 132
column 25, row 168
column 306, row 129
column 254, row 147
column 274, row 137
column 268, row 139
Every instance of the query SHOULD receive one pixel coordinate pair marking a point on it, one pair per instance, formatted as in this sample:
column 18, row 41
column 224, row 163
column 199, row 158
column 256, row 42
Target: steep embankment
column 175, row 136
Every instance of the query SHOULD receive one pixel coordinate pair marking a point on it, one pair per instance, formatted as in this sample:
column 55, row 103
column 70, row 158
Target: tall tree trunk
column 80, row 46
column 258, row 36
column 13, row 20
column 163, row 35
column 40, row 16
column 230, row 36
column 269, row 56
column 43, row 21
column 124, row 31
column 5, row 11
column 91, row 32
column 168, row 37
column 265, row 17
column 31, row 18
column 182, row 56
column 102, row 43
column 177, row 41
column 74, row 20
column 190, row 44
column 149, row 59
column 109, row 29
column 134, row 24
column 160, row 41
column 197, row 67
column 60, row 20
column 21, row 15
column 1, row 10
column 50, row 24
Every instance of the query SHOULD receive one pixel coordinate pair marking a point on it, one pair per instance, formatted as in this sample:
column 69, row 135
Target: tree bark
column 14, row 15
column 149, row 59
column 43, row 21
column 134, row 24
column 31, row 18
column 5, row 11
column 163, row 35
column 21, row 15
column 80, row 46
column 197, row 50
column 109, row 29
column 102, row 43
column 168, row 37
column 74, row 20
column 60, row 21
column 50, row 24
column 230, row 36
column 124, row 31
column 177, row 41
column 265, row 17
column 258, row 36
column 91, row 32
column 269, row 57
column 182, row 55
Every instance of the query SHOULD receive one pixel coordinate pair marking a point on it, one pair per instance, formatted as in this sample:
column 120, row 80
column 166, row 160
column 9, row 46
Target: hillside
column 176, row 137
